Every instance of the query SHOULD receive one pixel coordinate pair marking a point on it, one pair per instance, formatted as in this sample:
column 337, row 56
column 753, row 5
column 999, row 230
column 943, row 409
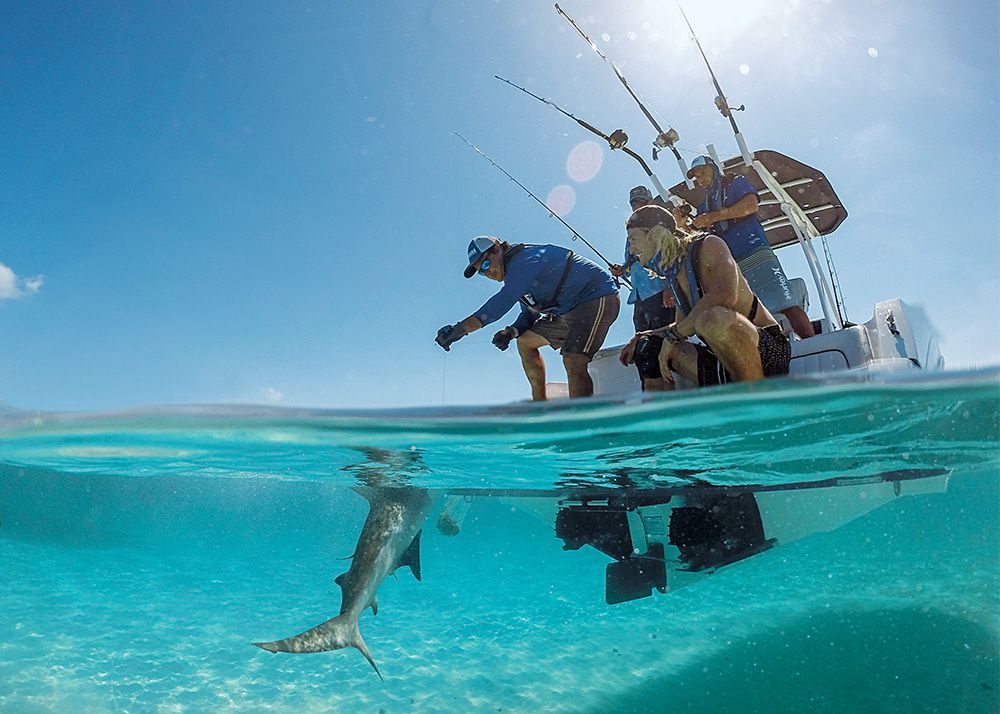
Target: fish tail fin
column 334, row 634
column 360, row 645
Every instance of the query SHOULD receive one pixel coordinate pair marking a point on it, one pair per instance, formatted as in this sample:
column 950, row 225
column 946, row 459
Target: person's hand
column 501, row 340
column 702, row 221
column 617, row 270
column 626, row 357
column 449, row 335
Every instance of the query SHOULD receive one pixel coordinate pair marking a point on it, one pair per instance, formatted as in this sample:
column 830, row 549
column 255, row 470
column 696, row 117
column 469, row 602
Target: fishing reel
column 725, row 109
column 618, row 139
column 665, row 140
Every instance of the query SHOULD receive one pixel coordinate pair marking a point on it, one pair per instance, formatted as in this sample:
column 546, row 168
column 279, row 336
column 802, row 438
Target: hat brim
column 471, row 270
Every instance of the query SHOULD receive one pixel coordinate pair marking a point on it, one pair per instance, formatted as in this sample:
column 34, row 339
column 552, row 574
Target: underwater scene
column 787, row 546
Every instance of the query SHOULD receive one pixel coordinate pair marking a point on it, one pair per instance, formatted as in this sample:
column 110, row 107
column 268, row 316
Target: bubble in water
column 561, row 200
column 630, row 35
column 584, row 161
column 606, row 37
column 872, row 52
column 744, row 69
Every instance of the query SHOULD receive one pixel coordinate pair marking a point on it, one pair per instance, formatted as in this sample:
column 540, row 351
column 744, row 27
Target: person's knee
column 575, row 363
column 647, row 356
column 528, row 344
column 718, row 323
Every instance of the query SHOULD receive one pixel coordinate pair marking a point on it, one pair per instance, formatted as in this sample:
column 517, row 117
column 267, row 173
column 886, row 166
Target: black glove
column 501, row 340
column 449, row 335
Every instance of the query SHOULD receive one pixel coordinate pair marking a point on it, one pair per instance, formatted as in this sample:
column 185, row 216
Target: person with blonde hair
column 742, row 340
column 653, row 305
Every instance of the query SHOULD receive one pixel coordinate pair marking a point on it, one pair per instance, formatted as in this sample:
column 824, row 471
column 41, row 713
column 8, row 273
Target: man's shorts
column 650, row 314
column 775, row 356
column 582, row 330
column 767, row 280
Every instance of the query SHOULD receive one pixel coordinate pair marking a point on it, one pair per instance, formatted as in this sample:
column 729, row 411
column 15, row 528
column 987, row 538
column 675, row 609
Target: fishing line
column 541, row 203
column 616, row 140
column 664, row 139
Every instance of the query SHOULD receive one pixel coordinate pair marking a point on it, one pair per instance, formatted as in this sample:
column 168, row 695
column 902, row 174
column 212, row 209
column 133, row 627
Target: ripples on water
column 142, row 552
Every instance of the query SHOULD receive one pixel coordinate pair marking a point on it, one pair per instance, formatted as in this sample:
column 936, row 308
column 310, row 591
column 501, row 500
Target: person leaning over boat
column 567, row 302
column 730, row 211
column 653, row 306
column 744, row 341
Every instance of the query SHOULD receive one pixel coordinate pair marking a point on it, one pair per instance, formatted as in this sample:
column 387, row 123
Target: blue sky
column 263, row 202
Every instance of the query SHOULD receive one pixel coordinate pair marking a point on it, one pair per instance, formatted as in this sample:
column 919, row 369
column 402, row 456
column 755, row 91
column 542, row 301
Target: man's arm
column 719, row 278
column 471, row 324
column 746, row 206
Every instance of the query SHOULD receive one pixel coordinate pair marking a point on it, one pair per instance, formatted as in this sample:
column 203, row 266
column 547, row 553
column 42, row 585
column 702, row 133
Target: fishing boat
column 661, row 538
column 797, row 206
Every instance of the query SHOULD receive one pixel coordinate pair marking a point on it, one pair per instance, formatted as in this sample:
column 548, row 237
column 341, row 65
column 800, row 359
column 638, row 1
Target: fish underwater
column 390, row 539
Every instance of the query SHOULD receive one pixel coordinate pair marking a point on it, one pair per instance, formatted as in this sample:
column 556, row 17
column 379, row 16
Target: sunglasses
column 484, row 266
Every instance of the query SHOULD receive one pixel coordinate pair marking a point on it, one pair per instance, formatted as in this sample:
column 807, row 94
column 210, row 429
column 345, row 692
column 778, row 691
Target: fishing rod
column 616, row 140
column 720, row 100
column 542, row 204
column 797, row 218
column 664, row 139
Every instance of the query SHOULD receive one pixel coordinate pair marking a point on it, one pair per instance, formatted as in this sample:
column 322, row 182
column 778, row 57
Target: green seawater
column 142, row 552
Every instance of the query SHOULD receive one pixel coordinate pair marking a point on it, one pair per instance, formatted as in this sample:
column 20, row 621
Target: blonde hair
column 658, row 241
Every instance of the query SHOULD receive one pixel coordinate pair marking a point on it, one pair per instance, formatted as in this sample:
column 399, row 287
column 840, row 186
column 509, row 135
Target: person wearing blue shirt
column 567, row 302
column 730, row 212
column 652, row 307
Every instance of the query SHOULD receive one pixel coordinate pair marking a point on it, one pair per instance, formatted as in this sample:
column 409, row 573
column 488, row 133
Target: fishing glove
column 449, row 335
column 501, row 340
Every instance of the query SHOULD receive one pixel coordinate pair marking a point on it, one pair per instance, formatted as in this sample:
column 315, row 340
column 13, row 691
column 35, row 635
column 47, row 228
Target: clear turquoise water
column 143, row 552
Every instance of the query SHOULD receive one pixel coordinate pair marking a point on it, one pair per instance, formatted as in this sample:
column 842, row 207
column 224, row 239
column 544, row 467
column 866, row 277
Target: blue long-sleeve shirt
column 531, row 277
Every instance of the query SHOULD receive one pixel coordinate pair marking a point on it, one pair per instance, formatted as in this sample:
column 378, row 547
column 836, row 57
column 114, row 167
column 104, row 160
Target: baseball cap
column 478, row 246
column 639, row 193
column 701, row 161
column 649, row 216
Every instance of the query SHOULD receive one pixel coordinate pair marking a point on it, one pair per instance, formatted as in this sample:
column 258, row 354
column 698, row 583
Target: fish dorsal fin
column 411, row 556
column 374, row 605
column 341, row 580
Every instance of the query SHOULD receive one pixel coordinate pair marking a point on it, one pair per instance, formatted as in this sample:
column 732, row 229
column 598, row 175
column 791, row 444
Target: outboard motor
column 695, row 533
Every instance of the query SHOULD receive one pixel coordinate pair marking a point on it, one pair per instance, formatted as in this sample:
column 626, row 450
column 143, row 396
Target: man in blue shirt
column 730, row 212
column 653, row 307
column 567, row 302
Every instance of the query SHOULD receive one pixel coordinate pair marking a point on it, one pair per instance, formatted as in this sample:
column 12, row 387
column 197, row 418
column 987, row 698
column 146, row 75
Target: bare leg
column 655, row 384
column 681, row 358
column 580, row 383
column 733, row 339
column 532, row 362
column 801, row 324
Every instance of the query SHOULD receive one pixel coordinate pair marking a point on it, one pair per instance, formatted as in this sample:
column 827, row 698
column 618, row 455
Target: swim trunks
column 583, row 329
column 767, row 280
column 775, row 356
